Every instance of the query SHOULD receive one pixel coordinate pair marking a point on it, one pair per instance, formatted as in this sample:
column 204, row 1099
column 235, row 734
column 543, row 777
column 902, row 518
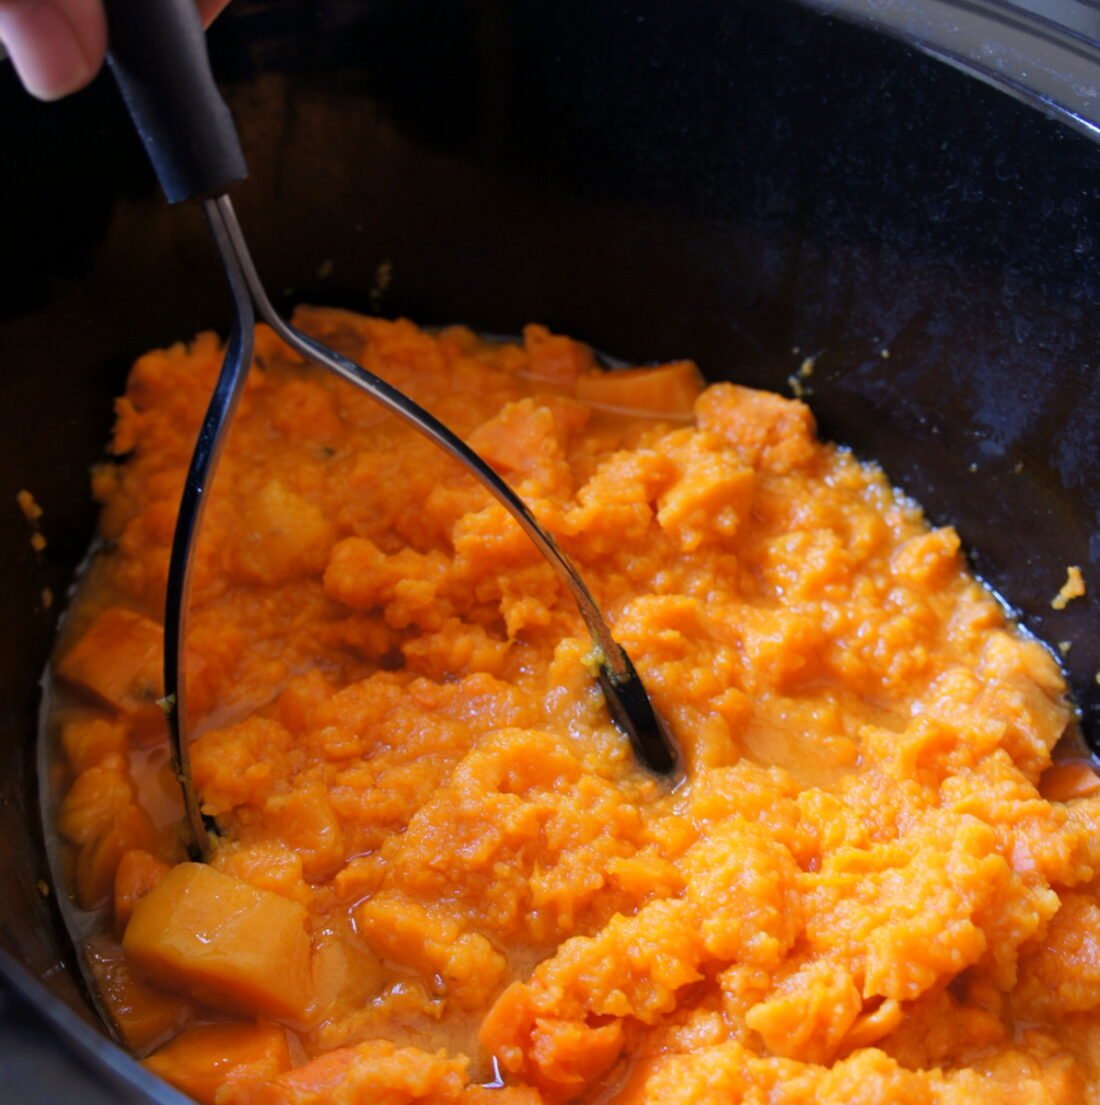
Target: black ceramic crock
column 744, row 182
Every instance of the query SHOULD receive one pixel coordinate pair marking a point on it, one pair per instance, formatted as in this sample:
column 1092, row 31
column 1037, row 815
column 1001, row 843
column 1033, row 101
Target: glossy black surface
column 725, row 180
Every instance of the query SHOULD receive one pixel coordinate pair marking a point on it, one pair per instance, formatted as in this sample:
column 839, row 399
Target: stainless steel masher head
column 157, row 52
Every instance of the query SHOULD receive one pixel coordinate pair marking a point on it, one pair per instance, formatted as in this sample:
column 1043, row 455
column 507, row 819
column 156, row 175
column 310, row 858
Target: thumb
column 56, row 46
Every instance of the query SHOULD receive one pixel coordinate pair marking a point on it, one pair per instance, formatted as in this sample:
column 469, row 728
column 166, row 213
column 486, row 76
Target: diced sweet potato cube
column 138, row 872
column 1062, row 782
column 98, row 861
column 223, row 942
column 118, row 659
column 144, row 1015
column 666, row 389
column 91, row 740
column 203, row 1059
column 94, row 800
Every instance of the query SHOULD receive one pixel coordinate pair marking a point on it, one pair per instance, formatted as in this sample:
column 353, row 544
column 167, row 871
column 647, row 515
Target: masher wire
column 204, row 460
column 405, row 408
column 627, row 699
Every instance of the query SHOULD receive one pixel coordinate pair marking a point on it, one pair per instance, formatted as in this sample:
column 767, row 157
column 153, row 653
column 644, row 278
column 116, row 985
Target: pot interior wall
column 745, row 183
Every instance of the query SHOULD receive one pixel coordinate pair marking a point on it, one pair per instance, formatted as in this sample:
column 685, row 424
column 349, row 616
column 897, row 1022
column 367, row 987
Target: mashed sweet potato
column 441, row 875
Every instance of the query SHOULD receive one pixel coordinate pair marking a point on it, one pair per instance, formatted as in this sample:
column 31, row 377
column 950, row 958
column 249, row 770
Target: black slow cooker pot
column 745, row 182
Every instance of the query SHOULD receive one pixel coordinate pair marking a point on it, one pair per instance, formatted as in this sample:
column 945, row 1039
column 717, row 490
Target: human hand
column 58, row 46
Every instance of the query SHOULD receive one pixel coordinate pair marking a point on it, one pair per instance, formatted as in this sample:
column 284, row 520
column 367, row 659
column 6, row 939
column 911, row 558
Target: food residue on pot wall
column 441, row 876
column 33, row 513
column 1073, row 588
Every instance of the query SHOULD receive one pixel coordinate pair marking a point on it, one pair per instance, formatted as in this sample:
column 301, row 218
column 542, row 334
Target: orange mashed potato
column 441, row 876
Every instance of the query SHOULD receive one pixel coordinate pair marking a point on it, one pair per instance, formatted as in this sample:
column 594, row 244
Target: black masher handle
column 157, row 51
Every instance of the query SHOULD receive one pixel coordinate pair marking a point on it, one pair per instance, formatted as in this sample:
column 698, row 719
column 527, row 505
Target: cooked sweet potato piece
column 203, row 1059
column 223, row 942
column 1062, row 782
column 665, row 389
column 145, row 1015
column 97, row 796
column 118, row 659
column 88, row 741
column 98, row 860
column 138, row 872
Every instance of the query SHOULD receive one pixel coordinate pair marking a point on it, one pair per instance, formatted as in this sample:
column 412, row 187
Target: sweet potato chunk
column 1062, row 782
column 143, row 1014
column 98, row 861
column 88, row 741
column 223, row 942
column 119, row 660
column 204, row 1059
column 666, row 389
column 96, row 798
column 137, row 873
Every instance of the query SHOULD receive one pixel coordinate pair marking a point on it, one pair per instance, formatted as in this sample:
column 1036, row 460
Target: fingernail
column 44, row 48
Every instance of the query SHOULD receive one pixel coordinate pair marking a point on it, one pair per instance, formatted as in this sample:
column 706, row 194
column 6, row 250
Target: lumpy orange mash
column 441, row 877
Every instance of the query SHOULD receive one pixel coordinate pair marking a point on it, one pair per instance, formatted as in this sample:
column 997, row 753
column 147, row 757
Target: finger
column 56, row 46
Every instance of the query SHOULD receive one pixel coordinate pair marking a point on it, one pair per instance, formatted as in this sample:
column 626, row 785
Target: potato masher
column 157, row 52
